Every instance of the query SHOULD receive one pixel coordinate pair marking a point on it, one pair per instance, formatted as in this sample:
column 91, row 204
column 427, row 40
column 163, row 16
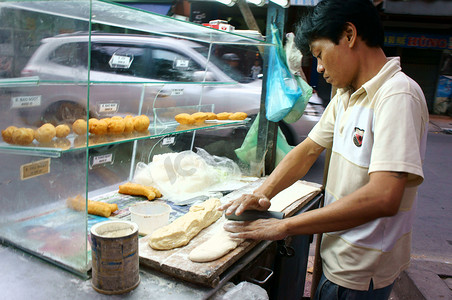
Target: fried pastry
column 238, row 116
column 7, row 134
column 137, row 189
column 94, row 207
column 211, row 116
column 62, row 131
column 45, row 133
column 128, row 124
column 185, row 119
column 141, row 123
column 23, row 136
column 199, row 117
column 223, row 116
column 116, row 125
column 79, row 127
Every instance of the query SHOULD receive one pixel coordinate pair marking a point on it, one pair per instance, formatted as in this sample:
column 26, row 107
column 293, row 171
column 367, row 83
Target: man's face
column 333, row 61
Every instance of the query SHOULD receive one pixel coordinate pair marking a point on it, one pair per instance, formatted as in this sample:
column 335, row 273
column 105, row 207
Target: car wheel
column 64, row 112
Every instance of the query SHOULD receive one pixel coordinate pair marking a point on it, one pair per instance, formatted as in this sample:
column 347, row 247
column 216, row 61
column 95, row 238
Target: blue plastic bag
column 282, row 87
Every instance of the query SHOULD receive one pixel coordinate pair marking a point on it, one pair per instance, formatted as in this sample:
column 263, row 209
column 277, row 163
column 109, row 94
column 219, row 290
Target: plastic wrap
column 184, row 175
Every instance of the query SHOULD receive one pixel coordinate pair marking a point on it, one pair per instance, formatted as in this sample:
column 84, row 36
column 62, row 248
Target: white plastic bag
column 244, row 291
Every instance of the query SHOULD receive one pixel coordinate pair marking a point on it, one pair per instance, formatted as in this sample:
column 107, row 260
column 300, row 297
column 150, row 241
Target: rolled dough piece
column 217, row 246
column 184, row 228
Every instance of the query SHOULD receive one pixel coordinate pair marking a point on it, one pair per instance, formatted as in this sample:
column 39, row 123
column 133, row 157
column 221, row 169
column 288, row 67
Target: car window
column 173, row 66
column 70, row 55
column 120, row 59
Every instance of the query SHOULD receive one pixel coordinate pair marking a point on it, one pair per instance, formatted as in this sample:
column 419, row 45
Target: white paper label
column 120, row 61
column 168, row 140
column 177, row 92
column 182, row 63
column 25, row 101
column 108, row 107
column 102, row 159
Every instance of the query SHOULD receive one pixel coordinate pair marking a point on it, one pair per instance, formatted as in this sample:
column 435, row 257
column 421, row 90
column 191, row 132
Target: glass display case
column 64, row 63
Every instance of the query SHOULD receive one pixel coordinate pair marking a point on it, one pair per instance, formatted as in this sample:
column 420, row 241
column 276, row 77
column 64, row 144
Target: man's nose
column 320, row 68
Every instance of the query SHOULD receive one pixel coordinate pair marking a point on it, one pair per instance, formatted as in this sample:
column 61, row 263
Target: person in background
column 376, row 127
column 256, row 69
column 231, row 66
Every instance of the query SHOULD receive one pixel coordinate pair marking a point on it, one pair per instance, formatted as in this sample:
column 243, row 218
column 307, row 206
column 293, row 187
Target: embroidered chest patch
column 358, row 137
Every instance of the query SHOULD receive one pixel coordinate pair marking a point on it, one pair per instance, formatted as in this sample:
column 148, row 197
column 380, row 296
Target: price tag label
column 34, row 169
column 120, row 61
column 168, row 140
column 108, row 107
column 177, row 92
column 102, row 159
column 182, row 63
column 25, row 101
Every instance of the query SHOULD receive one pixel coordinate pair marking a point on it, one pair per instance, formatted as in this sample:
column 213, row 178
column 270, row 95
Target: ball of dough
column 23, row 136
column 62, row 131
column 45, row 133
column 223, row 115
column 116, row 125
column 98, row 127
column 128, row 121
column 238, row 116
column 7, row 134
column 79, row 127
column 211, row 116
column 199, row 117
column 185, row 119
column 141, row 123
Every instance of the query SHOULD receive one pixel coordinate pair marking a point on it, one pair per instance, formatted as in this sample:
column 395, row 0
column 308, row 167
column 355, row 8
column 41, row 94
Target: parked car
column 154, row 72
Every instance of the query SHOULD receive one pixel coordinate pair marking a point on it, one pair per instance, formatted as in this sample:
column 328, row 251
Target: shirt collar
column 391, row 67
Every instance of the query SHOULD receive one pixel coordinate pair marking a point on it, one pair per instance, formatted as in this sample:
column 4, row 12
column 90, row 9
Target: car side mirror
column 203, row 76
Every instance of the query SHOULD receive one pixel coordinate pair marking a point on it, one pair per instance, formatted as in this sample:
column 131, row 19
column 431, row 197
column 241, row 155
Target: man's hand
column 253, row 201
column 262, row 229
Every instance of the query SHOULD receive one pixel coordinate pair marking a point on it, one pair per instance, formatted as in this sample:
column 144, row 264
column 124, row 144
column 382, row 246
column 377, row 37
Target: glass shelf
column 75, row 142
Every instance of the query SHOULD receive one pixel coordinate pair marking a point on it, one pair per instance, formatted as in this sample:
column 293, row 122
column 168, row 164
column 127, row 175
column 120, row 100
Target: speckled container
column 115, row 259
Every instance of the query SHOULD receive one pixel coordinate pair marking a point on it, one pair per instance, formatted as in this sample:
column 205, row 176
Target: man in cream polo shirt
column 376, row 127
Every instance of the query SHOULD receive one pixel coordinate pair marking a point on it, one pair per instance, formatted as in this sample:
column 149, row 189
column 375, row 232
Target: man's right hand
column 253, row 201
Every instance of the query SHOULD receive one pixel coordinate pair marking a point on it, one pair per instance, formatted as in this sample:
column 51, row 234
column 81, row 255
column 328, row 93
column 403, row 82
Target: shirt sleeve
column 399, row 131
column 322, row 133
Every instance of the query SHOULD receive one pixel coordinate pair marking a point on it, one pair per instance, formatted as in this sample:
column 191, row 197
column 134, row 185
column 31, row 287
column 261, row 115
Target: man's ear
column 350, row 33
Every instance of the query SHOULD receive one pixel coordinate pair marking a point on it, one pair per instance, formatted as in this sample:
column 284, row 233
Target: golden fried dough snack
column 62, row 131
column 141, row 123
column 45, row 133
column 223, row 116
column 211, row 116
column 185, row 119
column 137, row 189
column 23, row 136
column 7, row 134
column 116, row 125
column 199, row 117
column 79, row 127
column 128, row 124
column 238, row 116
column 94, row 207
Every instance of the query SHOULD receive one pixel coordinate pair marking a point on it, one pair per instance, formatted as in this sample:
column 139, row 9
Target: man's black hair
column 328, row 20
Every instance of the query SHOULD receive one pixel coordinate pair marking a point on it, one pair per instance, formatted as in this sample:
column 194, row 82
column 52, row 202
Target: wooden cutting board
column 176, row 263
